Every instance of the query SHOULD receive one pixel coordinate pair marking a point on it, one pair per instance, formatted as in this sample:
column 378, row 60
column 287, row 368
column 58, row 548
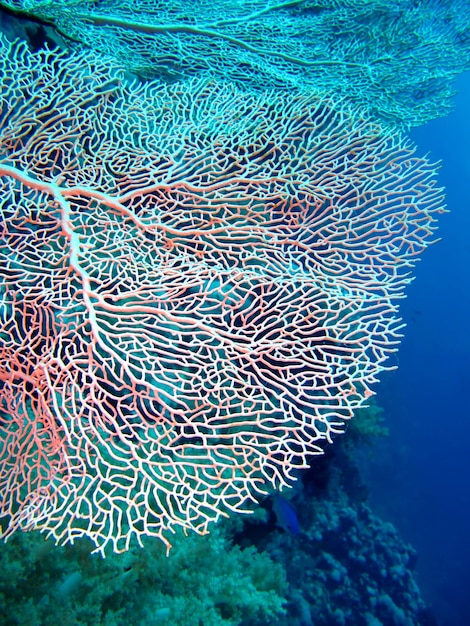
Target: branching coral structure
column 398, row 60
column 198, row 287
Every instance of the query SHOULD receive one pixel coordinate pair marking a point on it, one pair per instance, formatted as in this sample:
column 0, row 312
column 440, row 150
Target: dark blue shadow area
column 420, row 476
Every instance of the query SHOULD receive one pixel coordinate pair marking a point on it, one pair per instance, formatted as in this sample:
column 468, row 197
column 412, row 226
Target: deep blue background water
column 420, row 476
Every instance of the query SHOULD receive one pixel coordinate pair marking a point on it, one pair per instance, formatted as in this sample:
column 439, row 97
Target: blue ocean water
column 420, row 475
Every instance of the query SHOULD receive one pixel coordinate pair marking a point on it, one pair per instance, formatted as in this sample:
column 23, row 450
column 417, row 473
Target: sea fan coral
column 196, row 286
column 398, row 60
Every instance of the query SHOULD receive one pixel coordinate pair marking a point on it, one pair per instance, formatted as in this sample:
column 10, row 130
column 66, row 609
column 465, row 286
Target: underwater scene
column 234, row 313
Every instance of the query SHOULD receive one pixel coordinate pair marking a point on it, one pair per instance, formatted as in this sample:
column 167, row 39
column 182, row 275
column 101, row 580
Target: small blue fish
column 286, row 516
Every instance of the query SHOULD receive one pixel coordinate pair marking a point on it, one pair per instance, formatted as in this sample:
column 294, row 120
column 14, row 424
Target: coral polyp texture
column 197, row 289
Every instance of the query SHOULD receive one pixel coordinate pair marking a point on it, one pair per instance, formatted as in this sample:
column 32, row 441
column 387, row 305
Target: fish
column 286, row 515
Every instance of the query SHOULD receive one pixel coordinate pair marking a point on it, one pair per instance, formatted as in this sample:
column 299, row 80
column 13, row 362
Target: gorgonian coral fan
column 197, row 289
column 398, row 59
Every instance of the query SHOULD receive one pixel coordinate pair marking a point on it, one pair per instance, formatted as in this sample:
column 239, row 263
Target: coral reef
column 206, row 581
column 198, row 285
column 345, row 566
column 350, row 568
